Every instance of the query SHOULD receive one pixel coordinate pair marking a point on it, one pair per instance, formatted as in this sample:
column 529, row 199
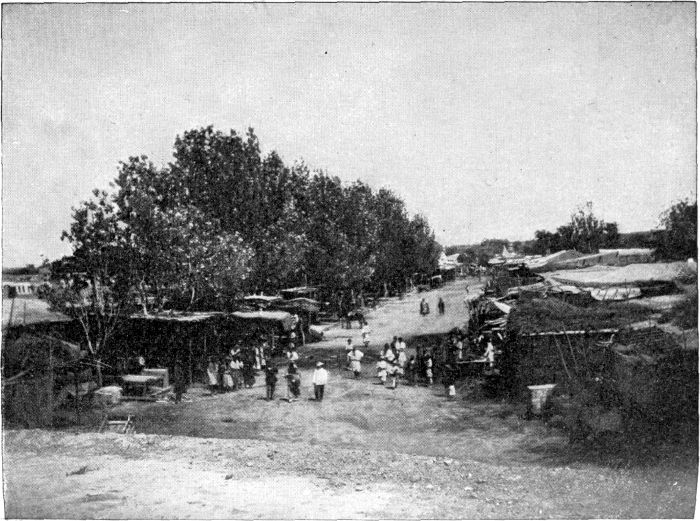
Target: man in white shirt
column 320, row 379
column 355, row 357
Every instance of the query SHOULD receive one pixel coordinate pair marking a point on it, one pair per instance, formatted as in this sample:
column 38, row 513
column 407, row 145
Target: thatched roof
column 542, row 315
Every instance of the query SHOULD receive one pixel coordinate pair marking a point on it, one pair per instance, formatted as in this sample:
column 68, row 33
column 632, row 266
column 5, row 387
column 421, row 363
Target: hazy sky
column 493, row 120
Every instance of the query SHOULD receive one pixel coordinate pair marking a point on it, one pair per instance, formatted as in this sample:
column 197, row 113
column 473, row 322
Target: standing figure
column 402, row 360
column 490, row 353
column 441, row 306
column 411, row 369
column 249, row 369
column 213, row 374
column 448, row 380
column 319, row 379
column 400, row 344
column 293, row 382
column 429, row 368
column 459, row 347
column 228, row 381
column 235, row 367
column 270, row 379
column 355, row 358
column 381, row 370
column 394, row 373
column 365, row 334
column 424, row 307
column 179, row 381
column 221, row 371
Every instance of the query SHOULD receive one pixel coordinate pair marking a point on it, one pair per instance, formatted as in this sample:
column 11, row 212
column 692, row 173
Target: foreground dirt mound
column 150, row 476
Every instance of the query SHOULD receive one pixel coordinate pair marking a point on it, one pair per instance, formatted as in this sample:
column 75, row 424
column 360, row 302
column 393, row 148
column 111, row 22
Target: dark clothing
column 411, row 370
column 270, row 380
column 318, row 392
column 179, row 382
column 271, row 375
column 248, row 374
column 295, row 385
column 424, row 308
column 441, row 307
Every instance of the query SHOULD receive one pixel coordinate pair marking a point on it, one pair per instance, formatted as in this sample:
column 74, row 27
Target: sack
column 451, row 391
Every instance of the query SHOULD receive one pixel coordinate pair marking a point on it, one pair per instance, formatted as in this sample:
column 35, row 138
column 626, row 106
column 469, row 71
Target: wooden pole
column 189, row 349
column 573, row 356
column 77, row 394
column 561, row 354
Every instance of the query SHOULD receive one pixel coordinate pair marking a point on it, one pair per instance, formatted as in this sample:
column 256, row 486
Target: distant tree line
column 675, row 239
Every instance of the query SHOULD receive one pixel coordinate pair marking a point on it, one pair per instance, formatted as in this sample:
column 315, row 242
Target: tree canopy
column 584, row 232
column 222, row 219
column 680, row 237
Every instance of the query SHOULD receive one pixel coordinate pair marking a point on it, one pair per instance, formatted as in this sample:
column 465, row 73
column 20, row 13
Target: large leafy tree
column 680, row 237
column 94, row 285
column 177, row 253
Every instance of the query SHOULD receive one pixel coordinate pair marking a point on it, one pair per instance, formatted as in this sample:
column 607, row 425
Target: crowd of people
column 440, row 362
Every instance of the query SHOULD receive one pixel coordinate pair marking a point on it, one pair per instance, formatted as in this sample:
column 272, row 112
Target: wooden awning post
column 189, row 347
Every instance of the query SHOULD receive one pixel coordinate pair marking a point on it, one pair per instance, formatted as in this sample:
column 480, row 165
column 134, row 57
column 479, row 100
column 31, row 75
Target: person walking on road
column 441, row 306
column 365, row 334
column 319, row 379
column 270, row 379
column 424, row 307
column 355, row 357
column 293, row 382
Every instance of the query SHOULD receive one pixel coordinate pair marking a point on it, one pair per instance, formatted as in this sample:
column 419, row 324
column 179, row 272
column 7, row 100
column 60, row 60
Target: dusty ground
column 365, row 452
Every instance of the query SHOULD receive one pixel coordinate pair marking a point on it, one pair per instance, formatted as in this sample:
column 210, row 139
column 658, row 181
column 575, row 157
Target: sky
column 491, row 120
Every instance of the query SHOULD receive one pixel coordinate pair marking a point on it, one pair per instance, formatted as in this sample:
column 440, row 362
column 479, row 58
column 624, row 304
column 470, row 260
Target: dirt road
column 400, row 317
column 366, row 451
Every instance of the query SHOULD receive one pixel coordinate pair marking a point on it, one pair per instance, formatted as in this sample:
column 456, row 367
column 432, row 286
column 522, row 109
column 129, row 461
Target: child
column 365, row 334
column 270, row 379
column 293, row 382
column 381, row 371
column 448, row 380
column 394, row 372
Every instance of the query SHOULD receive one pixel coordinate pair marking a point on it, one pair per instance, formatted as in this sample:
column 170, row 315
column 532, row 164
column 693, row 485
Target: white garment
column 401, row 346
column 489, row 354
column 355, row 355
column 402, row 359
column 320, row 377
column 213, row 374
column 292, row 356
column 365, row 334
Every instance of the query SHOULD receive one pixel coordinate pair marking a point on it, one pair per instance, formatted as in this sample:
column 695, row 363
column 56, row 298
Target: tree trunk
column 98, row 369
